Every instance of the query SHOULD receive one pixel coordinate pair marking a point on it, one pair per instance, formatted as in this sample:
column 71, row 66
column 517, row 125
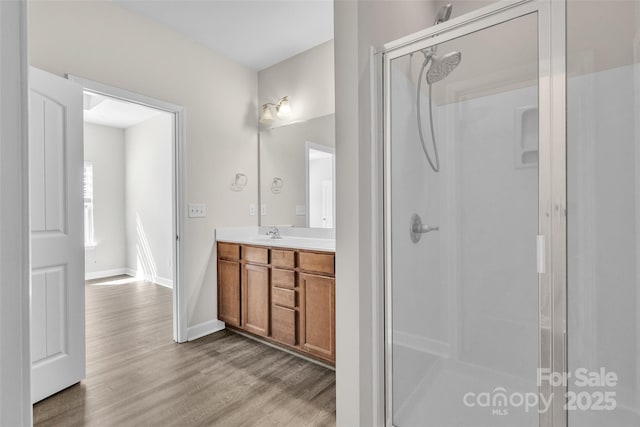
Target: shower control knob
column 417, row 228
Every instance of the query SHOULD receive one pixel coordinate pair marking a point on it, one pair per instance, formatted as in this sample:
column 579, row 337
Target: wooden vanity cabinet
column 317, row 323
column 286, row 296
column 229, row 283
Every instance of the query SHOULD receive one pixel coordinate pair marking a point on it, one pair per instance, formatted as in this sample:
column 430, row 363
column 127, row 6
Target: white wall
column 133, row 224
column 308, row 80
column 15, row 363
column 104, row 148
column 101, row 41
column 360, row 25
column 149, row 225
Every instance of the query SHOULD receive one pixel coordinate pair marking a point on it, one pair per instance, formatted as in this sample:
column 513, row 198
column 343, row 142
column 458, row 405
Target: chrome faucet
column 274, row 232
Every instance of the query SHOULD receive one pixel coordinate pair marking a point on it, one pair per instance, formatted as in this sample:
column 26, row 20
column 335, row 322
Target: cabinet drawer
column 283, row 278
column 283, row 297
column 229, row 251
column 283, row 325
column 257, row 255
column 283, row 259
column 316, row 263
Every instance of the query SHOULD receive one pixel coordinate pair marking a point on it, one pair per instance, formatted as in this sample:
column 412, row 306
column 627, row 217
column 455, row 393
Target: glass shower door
column 462, row 218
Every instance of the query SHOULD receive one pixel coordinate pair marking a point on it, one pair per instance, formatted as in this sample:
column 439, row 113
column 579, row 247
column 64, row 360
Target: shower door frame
column 552, row 186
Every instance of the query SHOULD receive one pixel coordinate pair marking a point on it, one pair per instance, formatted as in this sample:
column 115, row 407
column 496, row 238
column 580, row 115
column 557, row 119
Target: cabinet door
column 317, row 315
column 229, row 292
column 283, row 324
column 255, row 299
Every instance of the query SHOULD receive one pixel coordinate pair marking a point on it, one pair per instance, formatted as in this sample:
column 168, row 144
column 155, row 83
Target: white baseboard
column 106, row 273
column 167, row 283
column 204, row 328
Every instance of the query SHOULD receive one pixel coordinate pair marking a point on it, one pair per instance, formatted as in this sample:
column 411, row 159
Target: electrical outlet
column 263, row 209
column 300, row 210
column 197, row 210
column 252, row 209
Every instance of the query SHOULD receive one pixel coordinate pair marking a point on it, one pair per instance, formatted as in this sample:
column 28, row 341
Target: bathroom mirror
column 297, row 174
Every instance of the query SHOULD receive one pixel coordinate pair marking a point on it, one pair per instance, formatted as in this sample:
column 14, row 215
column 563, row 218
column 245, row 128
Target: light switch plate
column 263, row 209
column 300, row 210
column 252, row 209
column 197, row 210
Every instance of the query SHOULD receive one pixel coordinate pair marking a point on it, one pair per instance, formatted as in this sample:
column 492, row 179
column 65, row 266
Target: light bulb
column 266, row 117
column 283, row 108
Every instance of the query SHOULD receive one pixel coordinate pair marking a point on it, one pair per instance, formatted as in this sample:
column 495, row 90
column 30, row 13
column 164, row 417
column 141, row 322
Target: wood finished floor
column 137, row 376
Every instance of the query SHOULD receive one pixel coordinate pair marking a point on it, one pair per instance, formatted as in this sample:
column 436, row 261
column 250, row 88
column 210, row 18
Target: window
column 88, row 205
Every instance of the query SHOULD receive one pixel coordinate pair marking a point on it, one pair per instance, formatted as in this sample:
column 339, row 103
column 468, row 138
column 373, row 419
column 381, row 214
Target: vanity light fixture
column 283, row 107
column 266, row 117
column 283, row 110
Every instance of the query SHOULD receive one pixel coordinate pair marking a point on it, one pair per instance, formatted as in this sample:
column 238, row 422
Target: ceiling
column 255, row 33
column 105, row 111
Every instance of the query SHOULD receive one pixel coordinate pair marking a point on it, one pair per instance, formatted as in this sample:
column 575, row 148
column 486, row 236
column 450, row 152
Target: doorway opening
column 321, row 180
column 134, row 192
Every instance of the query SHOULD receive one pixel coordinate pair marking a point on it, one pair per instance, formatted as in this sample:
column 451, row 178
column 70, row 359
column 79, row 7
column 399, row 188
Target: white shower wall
column 471, row 287
column 468, row 292
column 480, row 133
column 420, row 327
column 603, row 214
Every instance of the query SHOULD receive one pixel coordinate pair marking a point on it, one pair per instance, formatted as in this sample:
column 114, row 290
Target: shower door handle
column 417, row 228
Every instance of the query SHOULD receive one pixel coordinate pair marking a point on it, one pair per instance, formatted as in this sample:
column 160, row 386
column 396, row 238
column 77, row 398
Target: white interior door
column 57, row 245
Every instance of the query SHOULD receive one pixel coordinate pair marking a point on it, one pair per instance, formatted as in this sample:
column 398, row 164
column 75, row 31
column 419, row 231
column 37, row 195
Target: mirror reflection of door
column 320, row 185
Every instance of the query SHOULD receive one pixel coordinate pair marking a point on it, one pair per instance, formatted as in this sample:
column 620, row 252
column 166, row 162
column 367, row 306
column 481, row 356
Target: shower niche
column 526, row 140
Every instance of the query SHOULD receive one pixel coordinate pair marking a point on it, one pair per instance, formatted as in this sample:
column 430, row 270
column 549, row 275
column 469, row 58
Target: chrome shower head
column 443, row 14
column 442, row 66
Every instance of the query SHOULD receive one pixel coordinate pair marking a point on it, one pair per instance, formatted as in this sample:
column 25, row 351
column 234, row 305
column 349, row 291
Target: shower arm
column 423, row 228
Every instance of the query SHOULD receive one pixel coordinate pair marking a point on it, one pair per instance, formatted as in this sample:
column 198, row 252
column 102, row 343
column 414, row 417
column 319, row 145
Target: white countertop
column 251, row 236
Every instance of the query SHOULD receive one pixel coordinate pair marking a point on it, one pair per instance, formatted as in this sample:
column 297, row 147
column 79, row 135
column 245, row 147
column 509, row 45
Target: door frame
column 15, row 269
column 327, row 149
column 552, row 281
column 178, row 179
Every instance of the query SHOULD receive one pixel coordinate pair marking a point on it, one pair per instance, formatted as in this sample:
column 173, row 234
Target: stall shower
column 512, row 218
